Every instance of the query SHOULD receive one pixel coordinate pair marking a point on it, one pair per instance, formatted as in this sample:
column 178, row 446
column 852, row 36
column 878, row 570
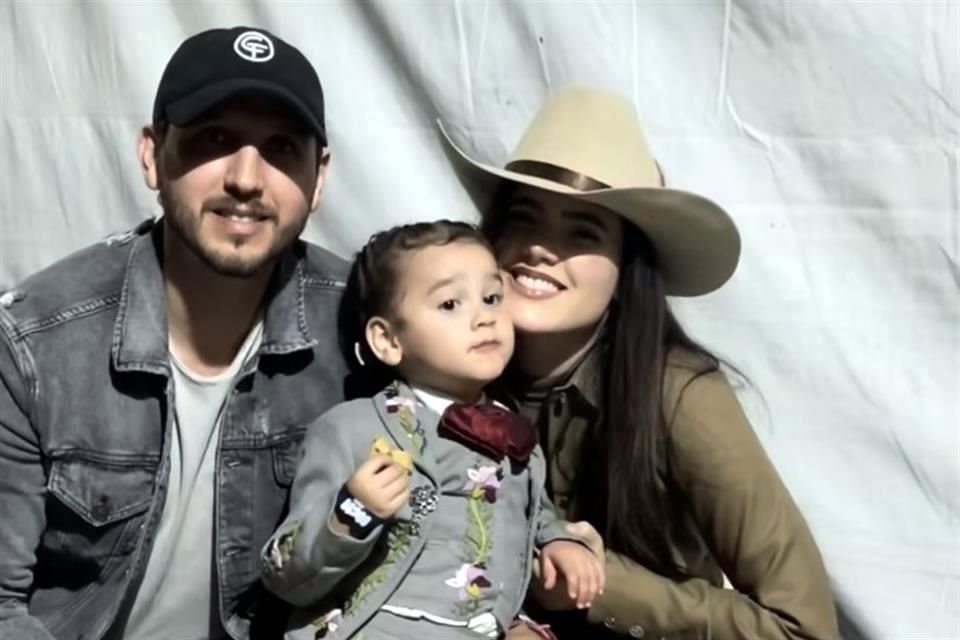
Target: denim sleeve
column 22, row 489
column 305, row 559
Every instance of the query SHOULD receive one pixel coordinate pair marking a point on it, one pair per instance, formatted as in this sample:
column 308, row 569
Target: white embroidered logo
column 253, row 46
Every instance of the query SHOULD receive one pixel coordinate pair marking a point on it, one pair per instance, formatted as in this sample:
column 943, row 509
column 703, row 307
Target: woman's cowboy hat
column 589, row 145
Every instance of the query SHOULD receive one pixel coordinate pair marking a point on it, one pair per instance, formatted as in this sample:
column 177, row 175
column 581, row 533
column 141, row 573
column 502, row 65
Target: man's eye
column 209, row 141
column 214, row 136
column 283, row 146
column 448, row 305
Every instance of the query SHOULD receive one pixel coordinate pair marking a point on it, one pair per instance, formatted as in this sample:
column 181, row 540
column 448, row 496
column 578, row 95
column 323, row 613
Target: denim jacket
column 86, row 409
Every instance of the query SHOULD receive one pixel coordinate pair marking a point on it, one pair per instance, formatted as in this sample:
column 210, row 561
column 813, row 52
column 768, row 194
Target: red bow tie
column 492, row 430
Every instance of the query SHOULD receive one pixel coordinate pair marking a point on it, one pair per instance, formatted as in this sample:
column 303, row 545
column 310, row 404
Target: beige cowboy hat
column 589, row 145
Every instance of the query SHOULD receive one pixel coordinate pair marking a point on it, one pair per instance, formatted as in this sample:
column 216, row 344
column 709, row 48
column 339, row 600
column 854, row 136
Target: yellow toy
column 381, row 447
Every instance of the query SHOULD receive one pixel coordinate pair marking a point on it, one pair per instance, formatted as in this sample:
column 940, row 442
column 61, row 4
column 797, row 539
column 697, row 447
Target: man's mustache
column 231, row 206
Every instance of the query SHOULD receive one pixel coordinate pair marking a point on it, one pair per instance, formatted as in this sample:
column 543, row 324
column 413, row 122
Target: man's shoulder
column 322, row 267
column 86, row 281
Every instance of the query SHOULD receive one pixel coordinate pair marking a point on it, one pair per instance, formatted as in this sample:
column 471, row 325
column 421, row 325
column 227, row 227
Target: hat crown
column 215, row 64
column 594, row 134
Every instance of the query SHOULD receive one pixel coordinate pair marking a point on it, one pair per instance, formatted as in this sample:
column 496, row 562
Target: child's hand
column 381, row 485
column 581, row 571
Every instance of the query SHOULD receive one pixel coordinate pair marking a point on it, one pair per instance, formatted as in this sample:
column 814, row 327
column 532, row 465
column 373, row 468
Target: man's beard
column 185, row 225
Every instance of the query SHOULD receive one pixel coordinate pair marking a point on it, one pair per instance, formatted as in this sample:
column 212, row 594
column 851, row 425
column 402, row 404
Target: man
column 155, row 388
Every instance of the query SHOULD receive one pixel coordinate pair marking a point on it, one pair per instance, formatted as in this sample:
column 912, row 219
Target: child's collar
column 437, row 401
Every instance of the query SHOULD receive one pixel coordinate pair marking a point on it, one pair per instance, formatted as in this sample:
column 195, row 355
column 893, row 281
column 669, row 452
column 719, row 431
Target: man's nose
column 244, row 177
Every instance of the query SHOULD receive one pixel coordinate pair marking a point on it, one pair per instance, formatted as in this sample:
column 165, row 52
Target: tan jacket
column 741, row 521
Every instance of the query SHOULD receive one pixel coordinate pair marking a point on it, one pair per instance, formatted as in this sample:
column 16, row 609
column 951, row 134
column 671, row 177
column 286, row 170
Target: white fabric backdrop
column 829, row 129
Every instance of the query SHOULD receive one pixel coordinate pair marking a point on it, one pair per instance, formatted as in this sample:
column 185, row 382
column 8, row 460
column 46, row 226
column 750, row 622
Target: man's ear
column 383, row 342
column 323, row 165
column 147, row 153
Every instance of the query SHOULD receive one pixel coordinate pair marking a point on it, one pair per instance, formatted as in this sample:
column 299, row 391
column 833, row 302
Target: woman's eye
column 519, row 218
column 586, row 234
column 448, row 305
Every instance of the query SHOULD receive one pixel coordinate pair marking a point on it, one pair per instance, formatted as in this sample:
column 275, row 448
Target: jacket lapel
column 405, row 422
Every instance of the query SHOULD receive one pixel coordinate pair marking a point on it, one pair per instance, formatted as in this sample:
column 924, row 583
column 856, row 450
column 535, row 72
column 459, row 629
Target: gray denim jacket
column 86, row 400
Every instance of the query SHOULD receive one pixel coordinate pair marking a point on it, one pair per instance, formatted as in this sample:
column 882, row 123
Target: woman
column 645, row 437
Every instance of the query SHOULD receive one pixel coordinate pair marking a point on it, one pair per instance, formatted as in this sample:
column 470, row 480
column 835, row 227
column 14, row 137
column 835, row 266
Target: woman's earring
column 356, row 353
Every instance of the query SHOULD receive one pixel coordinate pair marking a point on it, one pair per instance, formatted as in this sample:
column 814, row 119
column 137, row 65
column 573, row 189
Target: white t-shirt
column 177, row 598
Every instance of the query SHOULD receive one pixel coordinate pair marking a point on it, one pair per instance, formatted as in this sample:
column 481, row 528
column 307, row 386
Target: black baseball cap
column 213, row 65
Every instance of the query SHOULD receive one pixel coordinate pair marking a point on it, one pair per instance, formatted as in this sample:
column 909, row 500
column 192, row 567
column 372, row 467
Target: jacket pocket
column 94, row 511
column 101, row 493
column 286, row 459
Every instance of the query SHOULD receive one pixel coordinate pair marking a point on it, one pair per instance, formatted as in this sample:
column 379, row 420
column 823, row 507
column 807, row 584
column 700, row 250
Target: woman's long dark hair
column 625, row 455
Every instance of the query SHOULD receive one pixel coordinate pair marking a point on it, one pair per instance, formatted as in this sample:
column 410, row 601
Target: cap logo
column 253, row 46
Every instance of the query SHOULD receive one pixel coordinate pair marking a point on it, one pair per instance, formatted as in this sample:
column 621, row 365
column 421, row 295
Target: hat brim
column 697, row 242
column 185, row 110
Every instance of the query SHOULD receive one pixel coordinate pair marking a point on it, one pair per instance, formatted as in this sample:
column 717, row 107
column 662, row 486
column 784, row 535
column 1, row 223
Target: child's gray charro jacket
column 462, row 550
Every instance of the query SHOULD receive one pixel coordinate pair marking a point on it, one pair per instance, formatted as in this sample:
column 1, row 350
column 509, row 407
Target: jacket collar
column 582, row 386
column 585, row 384
column 407, row 420
column 140, row 334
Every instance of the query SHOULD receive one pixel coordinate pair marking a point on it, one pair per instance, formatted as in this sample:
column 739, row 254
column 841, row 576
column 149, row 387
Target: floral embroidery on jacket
column 327, row 623
column 484, row 482
column 280, row 548
column 423, row 501
column 405, row 408
column 471, row 579
column 398, row 542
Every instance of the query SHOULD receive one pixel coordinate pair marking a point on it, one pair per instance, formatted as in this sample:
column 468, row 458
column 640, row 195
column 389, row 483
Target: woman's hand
column 556, row 598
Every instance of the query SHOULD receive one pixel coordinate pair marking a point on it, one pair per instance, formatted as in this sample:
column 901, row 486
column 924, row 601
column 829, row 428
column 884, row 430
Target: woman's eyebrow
column 589, row 218
column 526, row 201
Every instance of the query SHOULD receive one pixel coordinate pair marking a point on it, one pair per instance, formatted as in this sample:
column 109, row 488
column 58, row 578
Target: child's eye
column 448, row 305
column 493, row 299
